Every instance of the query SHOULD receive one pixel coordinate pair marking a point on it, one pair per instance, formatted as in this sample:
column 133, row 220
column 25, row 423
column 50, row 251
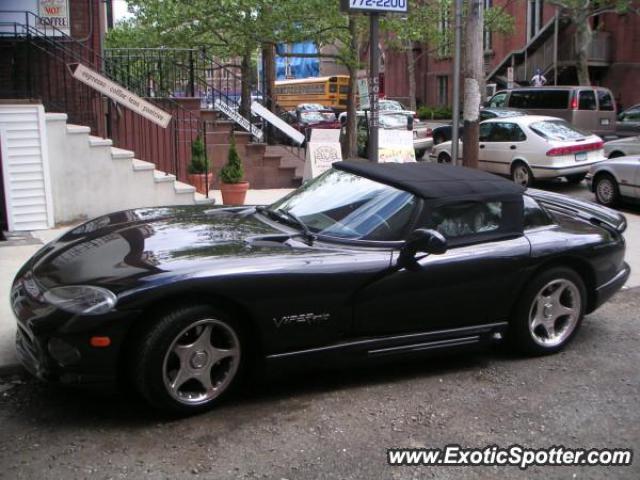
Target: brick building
column 539, row 39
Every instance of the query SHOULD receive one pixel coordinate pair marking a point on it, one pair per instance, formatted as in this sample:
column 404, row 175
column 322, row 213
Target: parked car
column 386, row 106
column 422, row 139
column 622, row 147
column 442, row 133
column 628, row 124
column 365, row 262
column 589, row 108
column 530, row 147
column 615, row 180
column 307, row 117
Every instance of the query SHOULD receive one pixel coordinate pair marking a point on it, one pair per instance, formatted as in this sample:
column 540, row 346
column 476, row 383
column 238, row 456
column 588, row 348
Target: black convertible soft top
column 435, row 181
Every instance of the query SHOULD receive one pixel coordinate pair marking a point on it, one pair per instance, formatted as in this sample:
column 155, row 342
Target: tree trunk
column 352, row 133
column 411, row 72
column 582, row 40
column 245, row 92
column 473, row 79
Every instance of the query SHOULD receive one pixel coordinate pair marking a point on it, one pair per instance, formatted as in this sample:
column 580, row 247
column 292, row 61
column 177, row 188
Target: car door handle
column 512, row 147
column 481, row 146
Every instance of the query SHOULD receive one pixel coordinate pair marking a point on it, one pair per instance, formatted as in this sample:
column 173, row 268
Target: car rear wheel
column 577, row 178
column 189, row 360
column 549, row 312
column 444, row 158
column 606, row 190
column 521, row 174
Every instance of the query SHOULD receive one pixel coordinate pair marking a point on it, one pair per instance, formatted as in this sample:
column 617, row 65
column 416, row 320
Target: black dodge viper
column 364, row 262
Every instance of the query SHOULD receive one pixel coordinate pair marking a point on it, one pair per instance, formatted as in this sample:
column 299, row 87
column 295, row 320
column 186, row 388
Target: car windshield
column 390, row 105
column 311, row 106
column 393, row 121
column 506, row 113
column 558, row 130
column 310, row 117
column 344, row 205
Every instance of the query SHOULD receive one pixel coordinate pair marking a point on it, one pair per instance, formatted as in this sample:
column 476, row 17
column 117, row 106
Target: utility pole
column 374, row 57
column 455, row 131
column 473, row 83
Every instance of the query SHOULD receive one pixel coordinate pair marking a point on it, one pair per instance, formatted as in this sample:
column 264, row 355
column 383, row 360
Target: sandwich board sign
column 322, row 150
column 396, row 146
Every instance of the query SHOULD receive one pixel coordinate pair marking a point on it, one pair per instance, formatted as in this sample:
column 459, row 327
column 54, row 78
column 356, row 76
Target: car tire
column 577, row 178
column 444, row 157
column 548, row 313
column 420, row 154
column 606, row 189
column 616, row 154
column 189, row 360
column 522, row 174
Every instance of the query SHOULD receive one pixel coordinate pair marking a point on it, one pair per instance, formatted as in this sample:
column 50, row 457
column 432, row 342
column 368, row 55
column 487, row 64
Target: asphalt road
column 338, row 424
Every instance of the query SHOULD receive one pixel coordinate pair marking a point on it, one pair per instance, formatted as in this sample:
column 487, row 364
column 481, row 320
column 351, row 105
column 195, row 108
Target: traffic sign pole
column 374, row 57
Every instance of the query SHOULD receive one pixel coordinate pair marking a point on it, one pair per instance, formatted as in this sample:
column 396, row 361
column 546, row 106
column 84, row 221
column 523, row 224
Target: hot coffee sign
column 54, row 13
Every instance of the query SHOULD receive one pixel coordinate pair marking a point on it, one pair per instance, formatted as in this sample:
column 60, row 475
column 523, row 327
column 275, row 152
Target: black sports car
column 366, row 261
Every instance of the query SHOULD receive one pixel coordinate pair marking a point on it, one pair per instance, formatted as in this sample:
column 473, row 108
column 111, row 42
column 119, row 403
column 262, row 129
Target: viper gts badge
column 301, row 319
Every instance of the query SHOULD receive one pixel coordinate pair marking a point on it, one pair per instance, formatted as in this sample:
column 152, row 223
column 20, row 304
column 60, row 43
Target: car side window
column 485, row 131
column 534, row 215
column 498, row 100
column 504, row 132
column 605, row 101
column 587, row 100
column 466, row 219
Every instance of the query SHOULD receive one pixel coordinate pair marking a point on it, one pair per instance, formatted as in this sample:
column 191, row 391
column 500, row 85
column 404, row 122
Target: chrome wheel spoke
column 205, row 380
column 222, row 353
column 203, row 341
column 182, row 376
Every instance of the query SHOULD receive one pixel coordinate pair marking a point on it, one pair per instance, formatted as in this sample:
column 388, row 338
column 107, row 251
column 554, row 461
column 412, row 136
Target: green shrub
column 232, row 172
column 434, row 113
column 199, row 161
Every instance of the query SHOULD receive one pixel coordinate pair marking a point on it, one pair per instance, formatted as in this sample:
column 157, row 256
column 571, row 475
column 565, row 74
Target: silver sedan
column 622, row 147
column 615, row 179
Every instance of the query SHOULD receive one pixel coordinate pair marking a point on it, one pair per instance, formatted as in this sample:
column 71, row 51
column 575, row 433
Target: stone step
column 141, row 165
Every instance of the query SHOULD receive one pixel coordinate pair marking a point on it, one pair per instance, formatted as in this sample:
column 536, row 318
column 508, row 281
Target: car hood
column 118, row 249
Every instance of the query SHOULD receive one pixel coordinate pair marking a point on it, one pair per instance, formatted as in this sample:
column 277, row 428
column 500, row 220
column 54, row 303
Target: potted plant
column 233, row 187
column 199, row 175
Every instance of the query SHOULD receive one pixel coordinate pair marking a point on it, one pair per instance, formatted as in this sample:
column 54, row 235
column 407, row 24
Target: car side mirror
column 422, row 240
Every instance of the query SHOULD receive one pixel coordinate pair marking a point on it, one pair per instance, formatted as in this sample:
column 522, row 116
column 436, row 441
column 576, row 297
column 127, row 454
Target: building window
column 444, row 47
column 534, row 17
column 443, row 90
column 486, row 34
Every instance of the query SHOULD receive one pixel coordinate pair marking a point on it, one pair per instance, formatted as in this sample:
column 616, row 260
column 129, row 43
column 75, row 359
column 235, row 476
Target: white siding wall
column 25, row 167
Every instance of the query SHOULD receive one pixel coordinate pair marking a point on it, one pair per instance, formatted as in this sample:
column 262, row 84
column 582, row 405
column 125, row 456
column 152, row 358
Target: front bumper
column 607, row 290
column 55, row 346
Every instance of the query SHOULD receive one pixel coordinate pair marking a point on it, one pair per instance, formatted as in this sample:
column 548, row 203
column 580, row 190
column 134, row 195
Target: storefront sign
column 120, row 94
column 54, row 13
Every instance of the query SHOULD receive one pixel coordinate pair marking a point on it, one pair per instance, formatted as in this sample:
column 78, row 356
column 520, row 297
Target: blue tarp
column 298, row 67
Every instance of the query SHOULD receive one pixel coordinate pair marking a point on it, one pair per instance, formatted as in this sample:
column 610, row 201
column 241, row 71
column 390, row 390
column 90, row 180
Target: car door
column 499, row 143
column 471, row 284
column 635, row 193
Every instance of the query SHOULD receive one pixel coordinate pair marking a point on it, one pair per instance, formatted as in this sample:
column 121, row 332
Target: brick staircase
column 264, row 166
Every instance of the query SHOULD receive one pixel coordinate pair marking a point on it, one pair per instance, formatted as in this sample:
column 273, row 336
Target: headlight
column 81, row 299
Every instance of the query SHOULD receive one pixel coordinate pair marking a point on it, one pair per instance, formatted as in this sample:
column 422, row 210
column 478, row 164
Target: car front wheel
column 549, row 312
column 606, row 190
column 444, row 158
column 521, row 174
column 189, row 360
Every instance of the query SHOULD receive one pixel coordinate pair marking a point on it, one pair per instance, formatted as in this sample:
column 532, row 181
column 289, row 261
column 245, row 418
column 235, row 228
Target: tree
column 579, row 13
column 473, row 82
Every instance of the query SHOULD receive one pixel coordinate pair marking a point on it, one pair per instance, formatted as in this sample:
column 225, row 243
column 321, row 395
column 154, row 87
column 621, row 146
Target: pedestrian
column 538, row 79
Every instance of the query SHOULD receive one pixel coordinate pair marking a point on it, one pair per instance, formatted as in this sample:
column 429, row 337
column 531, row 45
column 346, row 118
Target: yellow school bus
column 330, row 92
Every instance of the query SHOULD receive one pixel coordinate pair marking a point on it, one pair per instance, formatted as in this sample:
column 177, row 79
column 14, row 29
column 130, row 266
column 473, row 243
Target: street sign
column 509, row 77
column 375, row 6
column 363, row 94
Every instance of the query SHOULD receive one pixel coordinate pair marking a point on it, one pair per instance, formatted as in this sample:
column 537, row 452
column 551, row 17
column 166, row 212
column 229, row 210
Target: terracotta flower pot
column 198, row 181
column 234, row 193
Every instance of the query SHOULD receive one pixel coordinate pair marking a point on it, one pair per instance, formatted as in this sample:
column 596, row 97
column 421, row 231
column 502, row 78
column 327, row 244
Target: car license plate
column 581, row 157
column 604, row 121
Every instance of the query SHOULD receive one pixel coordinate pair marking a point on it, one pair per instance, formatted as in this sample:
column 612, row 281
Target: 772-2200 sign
column 381, row 6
